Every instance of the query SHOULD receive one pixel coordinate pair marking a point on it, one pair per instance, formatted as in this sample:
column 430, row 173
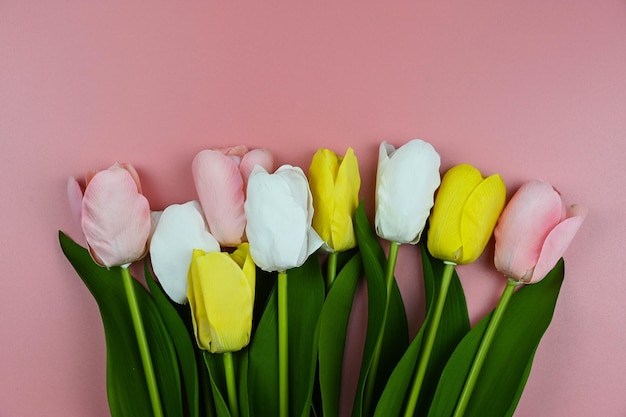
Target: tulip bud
column 113, row 214
column 335, row 184
column 279, row 209
column 406, row 181
column 179, row 230
column 221, row 297
column 220, row 178
column 466, row 210
column 534, row 231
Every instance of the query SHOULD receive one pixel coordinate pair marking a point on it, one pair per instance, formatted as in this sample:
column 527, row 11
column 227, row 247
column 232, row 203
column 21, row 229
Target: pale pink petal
column 89, row 176
column 132, row 171
column 115, row 218
column 75, row 196
column 220, row 189
column 523, row 227
column 262, row 157
column 557, row 242
column 239, row 150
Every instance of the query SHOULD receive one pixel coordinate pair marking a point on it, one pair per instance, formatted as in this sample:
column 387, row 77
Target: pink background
column 526, row 89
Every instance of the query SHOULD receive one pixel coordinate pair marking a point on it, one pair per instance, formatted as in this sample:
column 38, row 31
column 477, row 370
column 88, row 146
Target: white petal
column 180, row 229
column 405, row 191
column 278, row 218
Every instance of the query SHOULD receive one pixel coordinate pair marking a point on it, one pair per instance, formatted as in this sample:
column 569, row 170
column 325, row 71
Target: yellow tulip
column 465, row 213
column 221, row 297
column 335, row 184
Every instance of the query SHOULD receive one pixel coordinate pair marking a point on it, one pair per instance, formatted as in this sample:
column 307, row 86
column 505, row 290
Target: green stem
column 371, row 376
column 231, row 387
column 142, row 342
column 428, row 343
column 283, row 345
column 331, row 270
column 483, row 349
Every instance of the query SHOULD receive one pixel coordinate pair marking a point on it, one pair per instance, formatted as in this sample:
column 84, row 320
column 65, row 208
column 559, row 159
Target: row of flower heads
column 276, row 219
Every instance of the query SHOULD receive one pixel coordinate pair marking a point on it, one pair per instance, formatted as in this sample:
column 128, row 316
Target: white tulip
column 279, row 210
column 180, row 229
column 406, row 181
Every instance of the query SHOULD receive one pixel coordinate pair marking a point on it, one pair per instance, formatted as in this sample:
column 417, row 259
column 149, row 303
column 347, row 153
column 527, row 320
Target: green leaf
column 453, row 326
column 332, row 337
column 183, row 343
column 395, row 338
column 244, row 403
column 306, row 298
column 126, row 386
column 215, row 366
column 305, row 290
column 507, row 365
column 263, row 362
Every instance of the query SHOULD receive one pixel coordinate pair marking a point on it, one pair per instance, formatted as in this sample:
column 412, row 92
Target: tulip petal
column 220, row 189
column 322, row 173
column 133, row 173
column 532, row 213
column 346, row 200
column 115, row 218
column 261, row 157
column 406, row 181
column 222, row 303
column 235, row 152
column 75, row 196
column 557, row 242
column 180, row 230
column 279, row 212
column 242, row 257
column 444, row 235
column 480, row 214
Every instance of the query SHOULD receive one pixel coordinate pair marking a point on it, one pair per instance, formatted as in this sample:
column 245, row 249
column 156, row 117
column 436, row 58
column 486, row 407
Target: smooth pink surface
column 526, row 89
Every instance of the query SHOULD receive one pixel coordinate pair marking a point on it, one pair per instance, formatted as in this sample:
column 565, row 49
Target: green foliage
column 453, row 326
column 126, row 387
column 305, row 290
column 507, row 366
column 332, row 337
column 182, row 341
column 191, row 382
column 395, row 337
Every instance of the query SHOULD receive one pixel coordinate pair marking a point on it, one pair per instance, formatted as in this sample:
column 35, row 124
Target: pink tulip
column 113, row 214
column 221, row 177
column 534, row 231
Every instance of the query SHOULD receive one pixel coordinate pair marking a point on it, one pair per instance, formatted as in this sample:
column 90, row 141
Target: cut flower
column 534, row 231
column 221, row 297
column 466, row 210
column 335, row 184
column 279, row 208
column 113, row 214
column 406, row 181
column 179, row 230
column 220, row 176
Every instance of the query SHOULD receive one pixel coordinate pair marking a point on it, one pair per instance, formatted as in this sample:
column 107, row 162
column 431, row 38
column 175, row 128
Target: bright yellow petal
column 196, row 302
column 346, row 198
column 480, row 214
column 322, row 173
column 444, row 234
column 228, row 302
column 244, row 260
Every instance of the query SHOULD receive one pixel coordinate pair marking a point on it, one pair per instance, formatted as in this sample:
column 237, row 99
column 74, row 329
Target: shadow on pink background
column 525, row 89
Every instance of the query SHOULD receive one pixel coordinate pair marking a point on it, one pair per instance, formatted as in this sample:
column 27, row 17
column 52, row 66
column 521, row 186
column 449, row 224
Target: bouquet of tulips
column 249, row 290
